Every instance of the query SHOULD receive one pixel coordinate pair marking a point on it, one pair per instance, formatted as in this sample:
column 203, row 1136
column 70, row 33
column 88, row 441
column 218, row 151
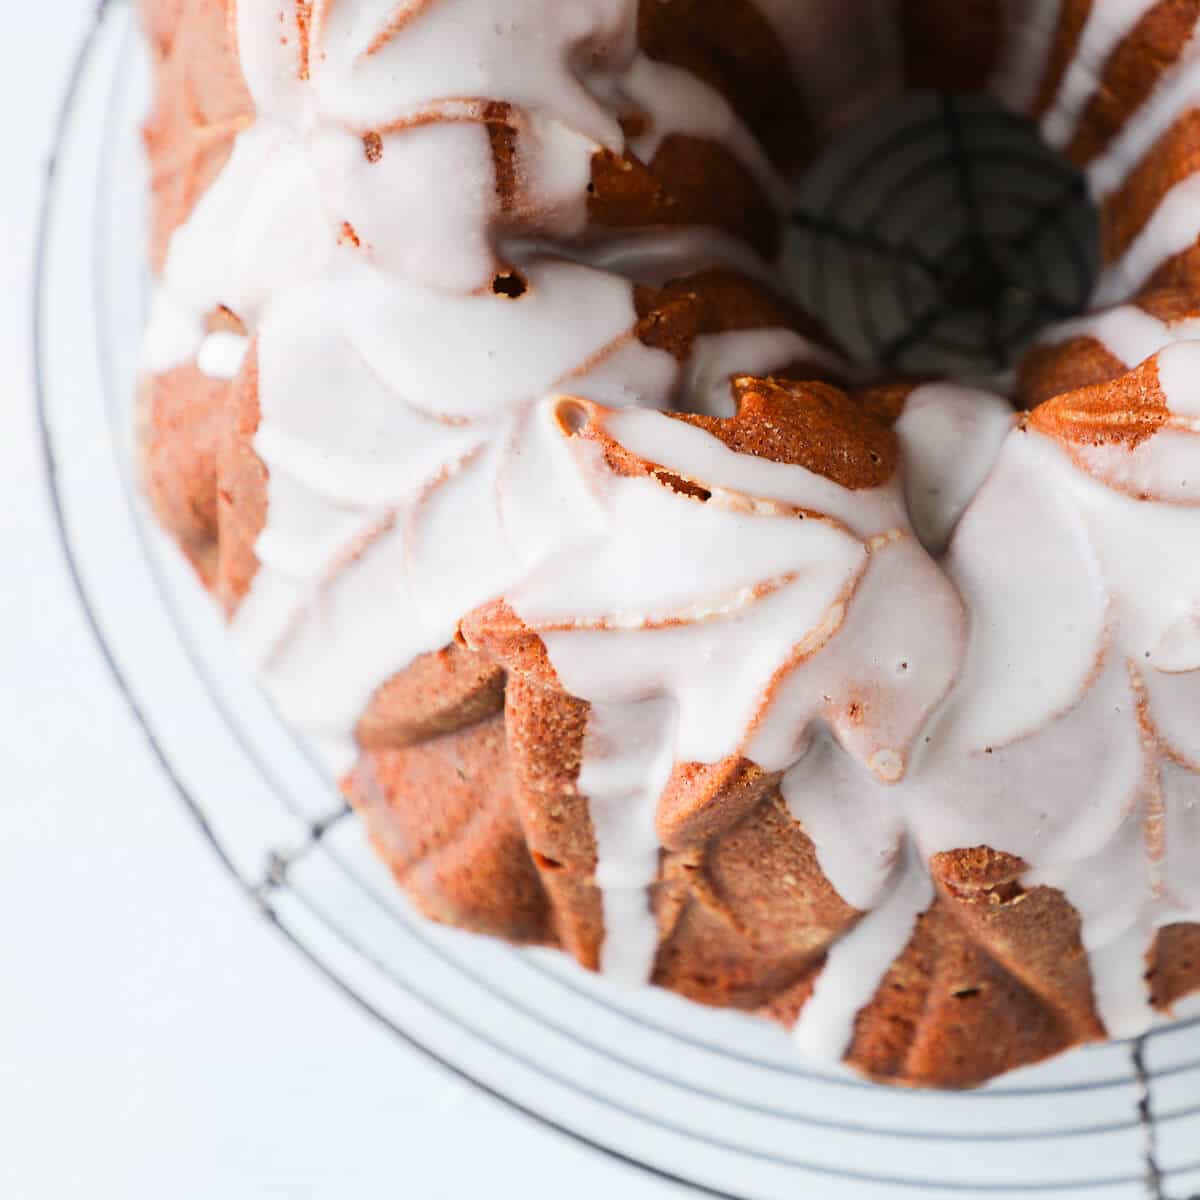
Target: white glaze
column 417, row 471
column 676, row 102
column 1128, row 333
column 1108, row 23
column 861, row 958
column 221, row 354
column 1097, row 546
column 1173, row 228
column 950, row 436
column 1056, row 766
column 1175, row 93
column 718, row 357
column 626, row 763
column 856, row 830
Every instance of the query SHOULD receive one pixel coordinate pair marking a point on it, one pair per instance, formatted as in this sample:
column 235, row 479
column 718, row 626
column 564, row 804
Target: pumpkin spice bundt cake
column 630, row 617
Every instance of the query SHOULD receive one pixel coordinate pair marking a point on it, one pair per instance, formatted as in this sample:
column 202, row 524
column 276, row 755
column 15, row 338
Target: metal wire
column 941, row 236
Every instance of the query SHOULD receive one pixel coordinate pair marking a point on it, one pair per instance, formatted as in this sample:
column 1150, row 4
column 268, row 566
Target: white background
column 157, row 1039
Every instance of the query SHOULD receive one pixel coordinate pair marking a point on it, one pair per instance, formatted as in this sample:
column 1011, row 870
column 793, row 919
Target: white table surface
column 157, row 1039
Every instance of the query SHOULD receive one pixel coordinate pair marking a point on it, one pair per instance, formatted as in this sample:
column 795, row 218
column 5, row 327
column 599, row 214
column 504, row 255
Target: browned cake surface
column 468, row 776
column 732, row 47
column 1174, row 157
column 1155, row 44
column 951, row 47
column 1083, row 362
column 201, row 104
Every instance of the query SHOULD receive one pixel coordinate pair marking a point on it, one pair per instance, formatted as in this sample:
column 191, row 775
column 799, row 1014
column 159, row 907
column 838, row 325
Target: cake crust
column 478, row 762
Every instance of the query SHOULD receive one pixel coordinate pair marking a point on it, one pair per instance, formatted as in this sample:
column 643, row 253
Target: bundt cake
column 631, row 618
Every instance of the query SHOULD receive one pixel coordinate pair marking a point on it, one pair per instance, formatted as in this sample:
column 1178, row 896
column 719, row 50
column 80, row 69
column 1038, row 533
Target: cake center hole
column 940, row 235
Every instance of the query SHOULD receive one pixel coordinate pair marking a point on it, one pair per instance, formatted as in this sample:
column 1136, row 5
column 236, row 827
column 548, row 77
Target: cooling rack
column 712, row 1101
column 941, row 235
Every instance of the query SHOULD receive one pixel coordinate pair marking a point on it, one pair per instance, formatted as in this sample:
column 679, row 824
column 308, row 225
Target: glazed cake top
column 749, row 582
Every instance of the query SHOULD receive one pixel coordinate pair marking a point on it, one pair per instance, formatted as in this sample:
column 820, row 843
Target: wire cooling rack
column 709, row 1100
column 941, row 235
